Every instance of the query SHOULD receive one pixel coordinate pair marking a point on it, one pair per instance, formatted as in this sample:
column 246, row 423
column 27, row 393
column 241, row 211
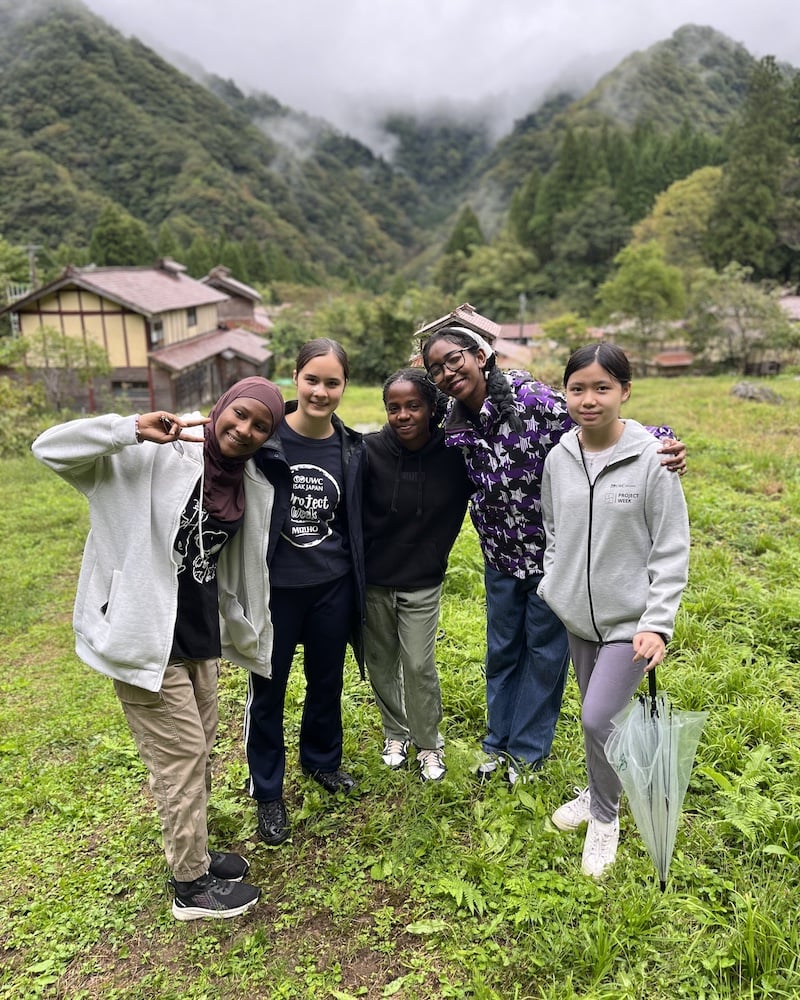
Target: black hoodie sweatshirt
column 414, row 504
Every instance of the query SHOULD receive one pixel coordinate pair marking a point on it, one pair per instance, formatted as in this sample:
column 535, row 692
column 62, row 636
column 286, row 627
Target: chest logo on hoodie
column 620, row 494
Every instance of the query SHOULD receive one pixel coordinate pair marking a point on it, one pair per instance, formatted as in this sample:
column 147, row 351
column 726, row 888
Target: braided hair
column 430, row 394
column 497, row 388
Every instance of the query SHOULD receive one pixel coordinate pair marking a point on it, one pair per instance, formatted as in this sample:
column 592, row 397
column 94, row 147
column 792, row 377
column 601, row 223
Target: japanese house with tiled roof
column 159, row 327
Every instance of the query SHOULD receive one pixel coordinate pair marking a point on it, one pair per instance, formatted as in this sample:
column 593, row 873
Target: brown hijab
column 223, row 482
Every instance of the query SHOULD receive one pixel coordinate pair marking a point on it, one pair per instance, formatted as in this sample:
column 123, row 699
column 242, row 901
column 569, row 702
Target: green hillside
column 87, row 115
column 92, row 121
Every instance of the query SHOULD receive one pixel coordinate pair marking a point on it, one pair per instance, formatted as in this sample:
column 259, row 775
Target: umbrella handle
column 651, row 688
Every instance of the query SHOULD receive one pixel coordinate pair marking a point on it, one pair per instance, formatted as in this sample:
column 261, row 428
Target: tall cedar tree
column 743, row 226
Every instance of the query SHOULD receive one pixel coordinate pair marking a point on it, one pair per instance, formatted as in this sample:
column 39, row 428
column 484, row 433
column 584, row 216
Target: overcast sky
column 340, row 59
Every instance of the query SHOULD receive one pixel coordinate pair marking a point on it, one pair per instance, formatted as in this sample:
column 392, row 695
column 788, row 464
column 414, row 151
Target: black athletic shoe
column 232, row 867
column 333, row 781
column 208, row 896
column 273, row 826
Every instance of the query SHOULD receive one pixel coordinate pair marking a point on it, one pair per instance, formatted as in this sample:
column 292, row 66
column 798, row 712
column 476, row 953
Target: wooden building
column 159, row 327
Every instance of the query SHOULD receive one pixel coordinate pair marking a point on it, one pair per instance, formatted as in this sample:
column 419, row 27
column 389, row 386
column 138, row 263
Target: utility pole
column 31, row 249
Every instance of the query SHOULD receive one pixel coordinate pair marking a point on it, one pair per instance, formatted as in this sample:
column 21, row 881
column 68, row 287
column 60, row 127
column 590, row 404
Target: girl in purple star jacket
column 505, row 425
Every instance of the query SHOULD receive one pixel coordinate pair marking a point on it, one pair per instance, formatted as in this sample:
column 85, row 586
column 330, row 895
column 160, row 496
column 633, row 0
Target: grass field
column 424, row 891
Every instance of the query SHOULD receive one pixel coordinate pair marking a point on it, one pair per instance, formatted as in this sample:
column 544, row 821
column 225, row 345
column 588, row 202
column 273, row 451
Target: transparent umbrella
column 652, row 748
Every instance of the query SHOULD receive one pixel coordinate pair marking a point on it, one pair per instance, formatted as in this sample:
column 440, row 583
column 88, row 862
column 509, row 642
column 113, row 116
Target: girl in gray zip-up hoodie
column 615, row 565
column 174, row 573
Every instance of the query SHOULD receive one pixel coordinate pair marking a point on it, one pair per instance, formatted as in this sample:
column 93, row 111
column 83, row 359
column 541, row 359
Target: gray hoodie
column 617, row 553
column 127, row 596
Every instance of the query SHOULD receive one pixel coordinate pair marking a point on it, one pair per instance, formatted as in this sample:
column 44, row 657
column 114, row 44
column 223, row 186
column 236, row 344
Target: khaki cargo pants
column 174, row 729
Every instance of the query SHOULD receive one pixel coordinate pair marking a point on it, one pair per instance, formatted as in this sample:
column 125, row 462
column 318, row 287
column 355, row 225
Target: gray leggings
column 607, row 678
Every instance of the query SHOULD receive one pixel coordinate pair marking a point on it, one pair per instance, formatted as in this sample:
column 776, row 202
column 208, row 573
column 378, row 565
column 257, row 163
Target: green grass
column 424, row 891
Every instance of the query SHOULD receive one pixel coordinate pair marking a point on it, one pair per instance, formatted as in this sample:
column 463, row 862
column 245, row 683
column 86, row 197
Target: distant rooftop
column 463, row 315
column 220, row 277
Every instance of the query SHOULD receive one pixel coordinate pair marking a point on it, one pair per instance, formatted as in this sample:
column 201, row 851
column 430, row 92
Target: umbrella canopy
column 652, row 748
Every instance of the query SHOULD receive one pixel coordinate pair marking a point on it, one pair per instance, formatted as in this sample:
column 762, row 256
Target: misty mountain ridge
column 88, row 116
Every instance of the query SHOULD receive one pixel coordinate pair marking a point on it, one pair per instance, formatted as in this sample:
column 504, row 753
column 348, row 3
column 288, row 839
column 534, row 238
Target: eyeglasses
column 453, row 361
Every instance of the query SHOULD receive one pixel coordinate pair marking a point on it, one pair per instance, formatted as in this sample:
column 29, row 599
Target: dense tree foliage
column 120, row 240
column 108, row 153
column 57, row 362
column 734, row 323
column 375, row 331
column 578, row 216
column 751, row 222
column 643, row 293
column 680, row 218
column 464, row 239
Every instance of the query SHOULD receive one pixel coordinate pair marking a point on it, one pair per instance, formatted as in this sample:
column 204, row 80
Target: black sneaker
column 333, row 781
column 273, row 826
column 232, row 867
column 208, row 896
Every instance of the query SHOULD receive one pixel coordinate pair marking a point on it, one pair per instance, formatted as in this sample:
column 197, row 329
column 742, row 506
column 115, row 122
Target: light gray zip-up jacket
column 617, row 553
column 127, row 594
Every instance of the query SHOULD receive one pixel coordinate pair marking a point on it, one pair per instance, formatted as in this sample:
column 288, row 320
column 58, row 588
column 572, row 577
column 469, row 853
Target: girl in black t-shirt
column 316, row 577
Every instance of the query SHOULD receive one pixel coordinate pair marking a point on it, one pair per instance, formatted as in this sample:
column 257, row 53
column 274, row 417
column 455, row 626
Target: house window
column 191, row 316
column 156, row 332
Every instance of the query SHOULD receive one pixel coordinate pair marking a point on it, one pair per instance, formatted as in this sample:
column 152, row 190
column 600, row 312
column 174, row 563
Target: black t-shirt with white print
column 197, row 635
column 313, row 546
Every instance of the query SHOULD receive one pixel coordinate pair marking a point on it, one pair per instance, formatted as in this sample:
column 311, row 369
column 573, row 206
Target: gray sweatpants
column 607, row 678
column 174, row 730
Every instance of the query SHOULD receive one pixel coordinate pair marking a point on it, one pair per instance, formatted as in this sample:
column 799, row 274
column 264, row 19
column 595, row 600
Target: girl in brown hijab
column 173, row 576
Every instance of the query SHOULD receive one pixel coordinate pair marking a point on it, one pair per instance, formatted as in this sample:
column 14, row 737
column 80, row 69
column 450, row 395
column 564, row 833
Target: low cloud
column 351, row 60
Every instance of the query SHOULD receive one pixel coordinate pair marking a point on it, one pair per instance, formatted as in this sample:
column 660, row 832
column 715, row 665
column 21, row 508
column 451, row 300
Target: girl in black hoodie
column 416, row 493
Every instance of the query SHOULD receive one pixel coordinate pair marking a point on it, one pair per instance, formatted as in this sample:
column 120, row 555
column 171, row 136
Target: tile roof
column 463, row 315
column 220, row 277
column 145, row 290
column 187, row 353
column 150, row 290
column 673, row 359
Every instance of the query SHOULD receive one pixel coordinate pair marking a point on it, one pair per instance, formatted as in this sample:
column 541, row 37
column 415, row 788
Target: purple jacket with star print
column 506, row 467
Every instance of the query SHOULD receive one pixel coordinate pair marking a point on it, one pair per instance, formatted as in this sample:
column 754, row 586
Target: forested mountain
column 97, row 131
column 698, row 77
column 88, row 117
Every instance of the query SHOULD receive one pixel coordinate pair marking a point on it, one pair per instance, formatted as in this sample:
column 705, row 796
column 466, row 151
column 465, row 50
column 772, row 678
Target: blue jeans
column 527, row 658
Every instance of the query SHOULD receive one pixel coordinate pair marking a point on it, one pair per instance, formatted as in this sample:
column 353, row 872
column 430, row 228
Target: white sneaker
column 487, row 767
column 431, row 764
column 395, row 753
column 573, row 813
column 600, row 846
column 516, row 773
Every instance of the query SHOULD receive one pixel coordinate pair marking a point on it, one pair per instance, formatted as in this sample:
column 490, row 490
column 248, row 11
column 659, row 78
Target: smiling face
column 467, row 383
column 320, row 387
column 594, row 399
column 409, row 415
column 243, row 427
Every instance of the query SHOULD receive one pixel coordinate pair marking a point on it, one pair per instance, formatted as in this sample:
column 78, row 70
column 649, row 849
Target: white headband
column 476, row 338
